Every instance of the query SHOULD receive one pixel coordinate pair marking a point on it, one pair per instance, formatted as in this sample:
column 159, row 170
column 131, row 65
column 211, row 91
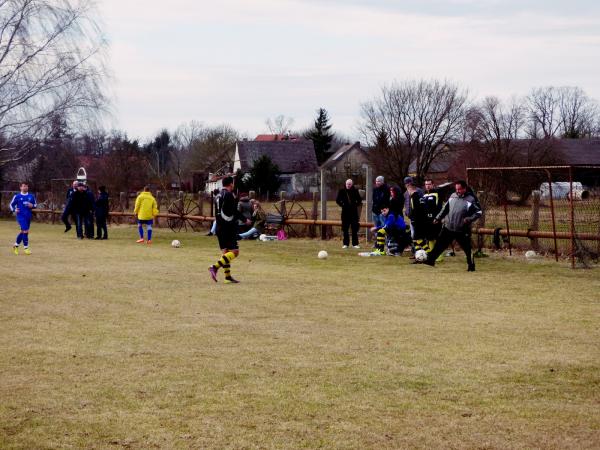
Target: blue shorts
column 146, row 222
column 24, row 222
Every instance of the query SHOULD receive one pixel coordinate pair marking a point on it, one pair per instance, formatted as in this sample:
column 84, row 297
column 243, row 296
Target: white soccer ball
column 175, row 243
column 262, row 237
column 322, row 254
column 530, row 254
column 421, row 255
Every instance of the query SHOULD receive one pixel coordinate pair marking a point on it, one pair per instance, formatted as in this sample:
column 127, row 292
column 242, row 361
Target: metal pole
column 507, row 228
column 552, row 213
column 572, row 213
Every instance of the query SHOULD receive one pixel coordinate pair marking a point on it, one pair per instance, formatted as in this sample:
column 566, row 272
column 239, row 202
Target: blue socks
column 149, row 233
column 25, row 239
column 19, row 238
column 141, row 231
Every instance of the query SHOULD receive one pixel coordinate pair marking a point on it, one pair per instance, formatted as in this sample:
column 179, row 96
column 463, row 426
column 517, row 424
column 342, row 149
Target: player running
column 22, row 204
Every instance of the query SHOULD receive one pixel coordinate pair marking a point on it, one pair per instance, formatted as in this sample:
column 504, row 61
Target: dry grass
column 112, row 344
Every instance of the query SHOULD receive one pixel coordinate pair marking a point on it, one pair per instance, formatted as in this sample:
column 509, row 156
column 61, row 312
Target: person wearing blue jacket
column 22, row 205
column 101, row 213
column 393, row 230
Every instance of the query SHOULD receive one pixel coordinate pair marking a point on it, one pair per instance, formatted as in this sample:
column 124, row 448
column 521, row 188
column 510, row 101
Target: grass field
column 109, row 344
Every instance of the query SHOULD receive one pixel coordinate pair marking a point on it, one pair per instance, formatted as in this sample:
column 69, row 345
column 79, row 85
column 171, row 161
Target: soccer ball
column 175, row 243
column 322, row 254
column 530, row 254
column 421, row 255
column 262, row 237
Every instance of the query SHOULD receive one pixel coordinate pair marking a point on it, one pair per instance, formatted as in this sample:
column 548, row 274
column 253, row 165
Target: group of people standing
column 82, row 207
column 433, row 222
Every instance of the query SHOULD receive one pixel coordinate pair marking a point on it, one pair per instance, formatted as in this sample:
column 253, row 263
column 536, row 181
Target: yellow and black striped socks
column 381, row 234
column 224, row 262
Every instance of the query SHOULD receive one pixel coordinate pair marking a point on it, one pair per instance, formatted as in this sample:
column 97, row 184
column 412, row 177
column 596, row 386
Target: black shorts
column 228, row 238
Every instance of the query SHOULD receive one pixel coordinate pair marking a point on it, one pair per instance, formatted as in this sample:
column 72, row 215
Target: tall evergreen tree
column 320, row 135
column 264, row 176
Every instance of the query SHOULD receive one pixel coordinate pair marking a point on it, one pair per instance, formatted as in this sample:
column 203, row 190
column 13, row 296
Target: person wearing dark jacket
column 349, row 200
column 101, row 212
column 67, row 211
column 396, row 201
column 245, row 208
column 81, row 208
column 381, row 199
column 89, row 218
column 431, row 205
column 460, row 211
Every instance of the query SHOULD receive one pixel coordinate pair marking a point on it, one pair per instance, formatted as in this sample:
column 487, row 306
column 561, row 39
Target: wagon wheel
column 292, row 210
column 183, row 208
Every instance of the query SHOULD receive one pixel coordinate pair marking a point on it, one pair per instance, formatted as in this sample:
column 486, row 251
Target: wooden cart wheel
column 183, row 208
column 292, row 210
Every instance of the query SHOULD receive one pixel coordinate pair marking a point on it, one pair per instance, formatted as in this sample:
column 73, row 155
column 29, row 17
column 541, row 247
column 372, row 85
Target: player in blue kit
column 22, row 204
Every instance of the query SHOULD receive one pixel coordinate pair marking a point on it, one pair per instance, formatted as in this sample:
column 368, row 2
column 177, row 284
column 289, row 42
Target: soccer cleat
column 16, row 249
column 149, row 242
column 27, row 251
column 213, row 273
column 344, row 246
column 471, row 268
column 377, row 253
column 231, row 280
column 140, row 241
column 68, row 228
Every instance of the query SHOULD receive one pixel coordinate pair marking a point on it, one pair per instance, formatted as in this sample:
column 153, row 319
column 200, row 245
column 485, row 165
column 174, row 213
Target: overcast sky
column 242, row 61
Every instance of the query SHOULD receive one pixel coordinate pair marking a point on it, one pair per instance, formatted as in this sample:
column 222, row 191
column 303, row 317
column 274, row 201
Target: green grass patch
column 112, row 344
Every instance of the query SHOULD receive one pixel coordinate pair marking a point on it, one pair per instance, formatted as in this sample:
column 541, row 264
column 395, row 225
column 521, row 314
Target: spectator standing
column 396, row 201
column 101, row 212
column 431, row 204
column 80, row 208
column 89, row 217
column 349, row 200
column 67, row 211
column 412, row 198
column 381, row 198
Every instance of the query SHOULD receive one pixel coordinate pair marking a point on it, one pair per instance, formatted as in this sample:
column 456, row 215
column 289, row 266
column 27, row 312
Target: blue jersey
column 25, row 203
column 394, row 223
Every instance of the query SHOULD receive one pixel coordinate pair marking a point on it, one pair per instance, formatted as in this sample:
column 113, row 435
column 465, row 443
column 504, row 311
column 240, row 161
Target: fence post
column 312, row 230
column 122, row 200
column 534, row 221
column 369, row 197
column 323, row 204
column 283, row 210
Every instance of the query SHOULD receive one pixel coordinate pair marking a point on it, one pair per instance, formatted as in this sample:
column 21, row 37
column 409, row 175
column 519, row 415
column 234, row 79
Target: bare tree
column 544, row 116
column 203, row 148
column 577, row 112
column 561, row 112
column 51, row 62
column 280, row 124
column 418, row 118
